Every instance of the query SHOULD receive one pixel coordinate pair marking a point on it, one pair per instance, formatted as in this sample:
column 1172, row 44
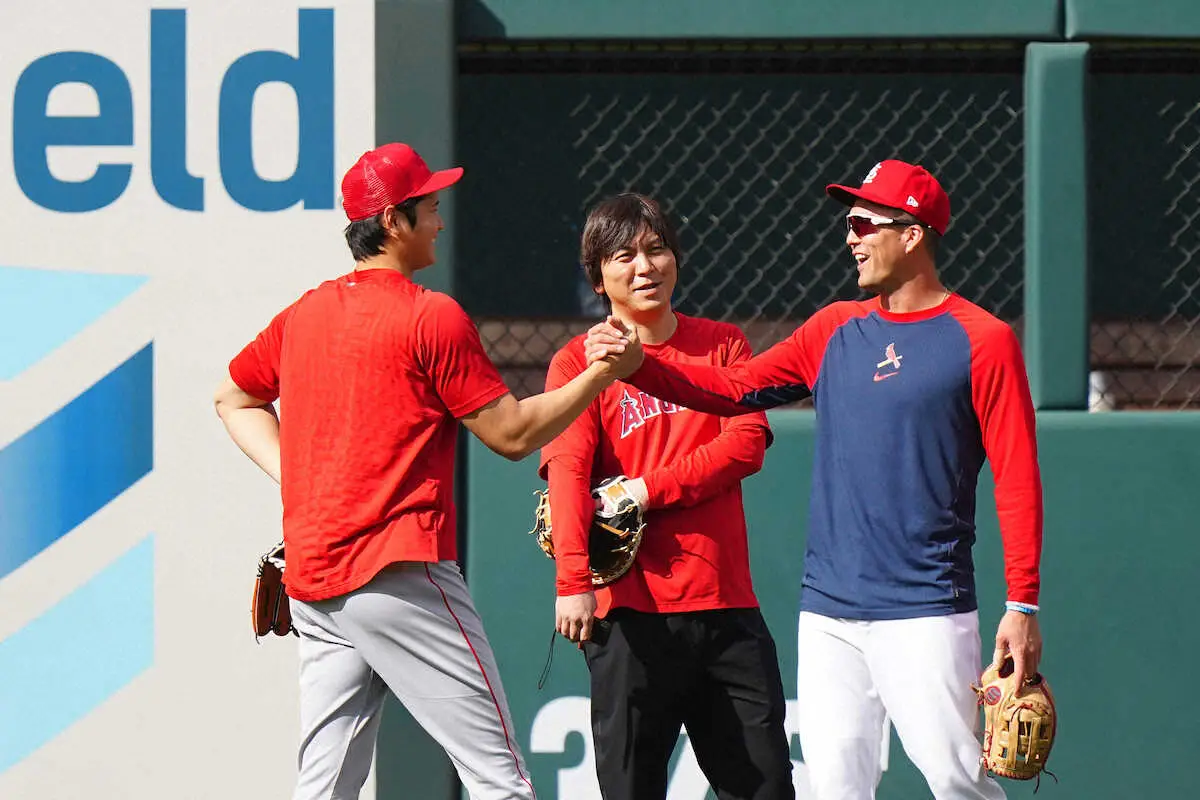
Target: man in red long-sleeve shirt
column 679, row 640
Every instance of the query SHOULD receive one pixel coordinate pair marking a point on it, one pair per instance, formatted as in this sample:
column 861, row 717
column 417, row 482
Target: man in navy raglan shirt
column 913, row 390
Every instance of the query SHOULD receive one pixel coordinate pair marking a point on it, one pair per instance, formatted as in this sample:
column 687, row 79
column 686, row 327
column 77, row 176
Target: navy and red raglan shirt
column 908, row 407
column 694, row 555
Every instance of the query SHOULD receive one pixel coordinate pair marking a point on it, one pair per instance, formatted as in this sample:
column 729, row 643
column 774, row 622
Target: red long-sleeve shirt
column 694, row 553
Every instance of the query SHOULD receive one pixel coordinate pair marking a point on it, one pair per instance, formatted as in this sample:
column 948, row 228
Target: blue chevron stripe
column 40, row 309
column 76, row 461
column 62, row 665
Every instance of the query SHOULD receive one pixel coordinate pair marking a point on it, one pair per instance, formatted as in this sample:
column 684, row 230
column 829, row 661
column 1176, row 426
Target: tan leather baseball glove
column 1019, row 728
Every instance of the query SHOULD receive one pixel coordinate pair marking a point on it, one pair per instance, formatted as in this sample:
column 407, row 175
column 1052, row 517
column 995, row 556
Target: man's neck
column 919, row 294
column 651, row 330
column 386, row 260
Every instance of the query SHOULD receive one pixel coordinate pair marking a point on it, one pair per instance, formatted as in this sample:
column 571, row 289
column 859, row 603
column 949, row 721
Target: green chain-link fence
column 739, row 147
column 1145, row 244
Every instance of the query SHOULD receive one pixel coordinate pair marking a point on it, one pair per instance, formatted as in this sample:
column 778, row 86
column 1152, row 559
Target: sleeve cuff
column 1027, row 597
column 247, row 384
column 662, row 489
column 1023, row 608
column 568, row 587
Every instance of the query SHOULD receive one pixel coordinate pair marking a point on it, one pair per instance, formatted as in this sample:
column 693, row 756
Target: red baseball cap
column 388, row 175
column 897, row 184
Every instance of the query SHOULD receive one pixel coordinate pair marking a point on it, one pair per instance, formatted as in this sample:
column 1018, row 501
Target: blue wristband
column 1022, row 608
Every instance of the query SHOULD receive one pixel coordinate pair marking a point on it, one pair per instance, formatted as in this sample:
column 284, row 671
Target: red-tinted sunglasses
column 864, row 225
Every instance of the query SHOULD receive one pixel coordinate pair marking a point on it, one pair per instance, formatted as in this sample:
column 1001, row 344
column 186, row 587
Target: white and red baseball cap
column 898, row 184
column 387, row 175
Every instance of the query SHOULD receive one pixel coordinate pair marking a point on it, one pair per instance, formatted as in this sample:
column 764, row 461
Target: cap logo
column 912, row 202
column 871, row 175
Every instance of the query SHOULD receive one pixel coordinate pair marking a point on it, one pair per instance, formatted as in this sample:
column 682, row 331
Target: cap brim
column 848, row 196
column 440, row 180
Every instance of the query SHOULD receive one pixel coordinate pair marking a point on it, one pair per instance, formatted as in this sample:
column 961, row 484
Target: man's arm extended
column 781, row 375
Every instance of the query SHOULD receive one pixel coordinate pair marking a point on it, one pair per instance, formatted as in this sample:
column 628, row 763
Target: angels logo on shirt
column 635, row 411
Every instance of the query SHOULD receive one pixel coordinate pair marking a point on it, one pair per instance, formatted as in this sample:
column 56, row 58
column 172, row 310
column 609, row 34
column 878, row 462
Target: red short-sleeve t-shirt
column 371, row 372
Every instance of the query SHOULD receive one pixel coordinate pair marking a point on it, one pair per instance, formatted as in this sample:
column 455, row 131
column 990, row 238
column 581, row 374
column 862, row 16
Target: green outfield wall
column 1075, row 207
column 1120, row 552
column 756, row 19
column 1030, row 20
column 1126, row 19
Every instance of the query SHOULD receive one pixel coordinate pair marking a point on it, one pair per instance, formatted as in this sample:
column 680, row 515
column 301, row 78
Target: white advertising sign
column 168, row 181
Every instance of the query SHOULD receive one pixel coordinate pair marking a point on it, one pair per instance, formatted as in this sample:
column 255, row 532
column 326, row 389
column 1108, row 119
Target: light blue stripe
column 40, row 309
column 76, row 461
column 62, row 665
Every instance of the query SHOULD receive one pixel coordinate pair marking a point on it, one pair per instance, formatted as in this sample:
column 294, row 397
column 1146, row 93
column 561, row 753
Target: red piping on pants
column 483, row 672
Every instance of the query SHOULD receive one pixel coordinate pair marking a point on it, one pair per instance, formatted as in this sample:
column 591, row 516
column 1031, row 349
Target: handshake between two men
column 617, row 343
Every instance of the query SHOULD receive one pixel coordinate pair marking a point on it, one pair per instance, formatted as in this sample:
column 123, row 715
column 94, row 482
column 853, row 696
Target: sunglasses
column 864, row 225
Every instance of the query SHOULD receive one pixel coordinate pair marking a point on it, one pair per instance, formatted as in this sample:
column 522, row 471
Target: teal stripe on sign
column 41, row 309
column 62, row 665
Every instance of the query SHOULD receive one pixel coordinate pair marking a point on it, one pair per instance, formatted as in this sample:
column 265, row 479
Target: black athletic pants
column 713, row 672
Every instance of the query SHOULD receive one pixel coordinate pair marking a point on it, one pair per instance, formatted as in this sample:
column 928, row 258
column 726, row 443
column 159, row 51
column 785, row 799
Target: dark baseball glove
column 1018, row 729
column 270, row 608
column 615, row 535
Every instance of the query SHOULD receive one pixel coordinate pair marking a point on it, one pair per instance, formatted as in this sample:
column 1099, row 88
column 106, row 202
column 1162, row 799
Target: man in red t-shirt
column 373, row 373
column 679, row 639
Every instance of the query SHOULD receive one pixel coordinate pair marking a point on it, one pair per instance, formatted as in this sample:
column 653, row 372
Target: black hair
column 366, row 236
column 613, row 224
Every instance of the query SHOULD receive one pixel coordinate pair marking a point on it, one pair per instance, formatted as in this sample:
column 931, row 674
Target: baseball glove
column 270, row 608
column 1018, row 729
column 615, row 535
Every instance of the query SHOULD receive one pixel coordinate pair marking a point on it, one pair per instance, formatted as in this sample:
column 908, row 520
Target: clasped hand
column 614, row 343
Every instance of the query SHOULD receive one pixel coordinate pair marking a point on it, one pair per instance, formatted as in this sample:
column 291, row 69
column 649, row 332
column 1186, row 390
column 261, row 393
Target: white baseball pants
column 917, row 672
column 414, row 630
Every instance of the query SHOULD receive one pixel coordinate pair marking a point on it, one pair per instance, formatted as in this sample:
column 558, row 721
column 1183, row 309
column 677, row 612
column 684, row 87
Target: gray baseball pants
column 413, row 629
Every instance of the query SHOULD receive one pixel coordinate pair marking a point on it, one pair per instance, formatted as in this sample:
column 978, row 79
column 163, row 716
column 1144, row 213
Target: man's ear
column 913, row 235
column 393, row 221
column 387, row 219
